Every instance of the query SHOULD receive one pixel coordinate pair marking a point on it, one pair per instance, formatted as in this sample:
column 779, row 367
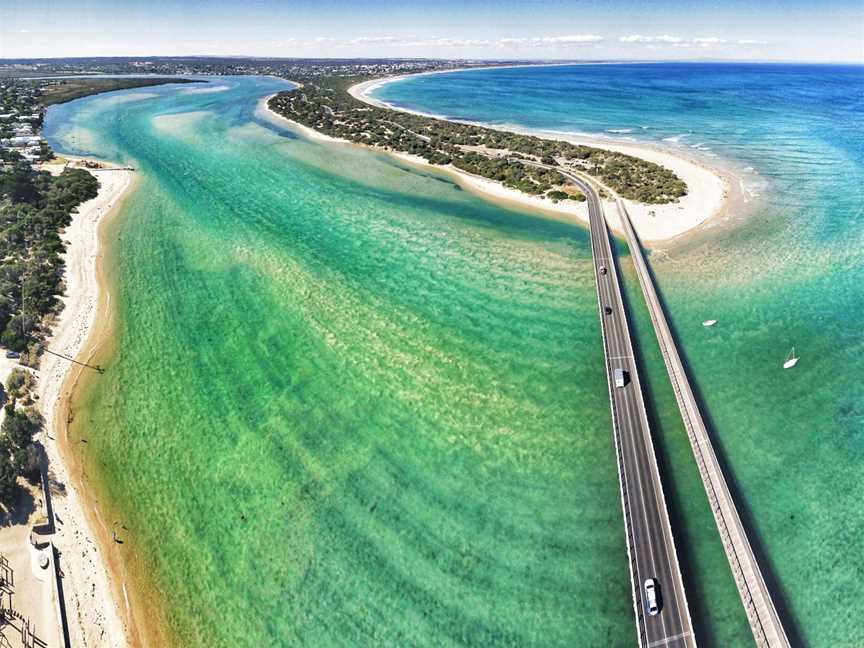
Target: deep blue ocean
column 786, row 269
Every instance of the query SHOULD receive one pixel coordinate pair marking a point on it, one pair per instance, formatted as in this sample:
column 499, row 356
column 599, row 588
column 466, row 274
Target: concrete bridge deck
column 650, row 544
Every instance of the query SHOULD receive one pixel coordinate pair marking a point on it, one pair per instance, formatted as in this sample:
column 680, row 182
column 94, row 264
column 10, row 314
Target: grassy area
column 74, row 88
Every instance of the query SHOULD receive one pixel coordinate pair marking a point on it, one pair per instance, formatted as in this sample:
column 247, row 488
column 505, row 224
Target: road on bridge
column 650, row 544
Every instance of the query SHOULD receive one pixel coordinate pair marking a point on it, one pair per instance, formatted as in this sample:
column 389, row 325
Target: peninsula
column 668, row 195
column 59, row 91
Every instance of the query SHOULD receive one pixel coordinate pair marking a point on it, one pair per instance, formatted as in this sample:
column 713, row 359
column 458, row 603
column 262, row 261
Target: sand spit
column 710, row 188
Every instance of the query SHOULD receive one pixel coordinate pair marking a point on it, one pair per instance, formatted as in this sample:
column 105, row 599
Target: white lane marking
column 624, row 357
column 640, row 425
column 668, row 640
column 632, row 411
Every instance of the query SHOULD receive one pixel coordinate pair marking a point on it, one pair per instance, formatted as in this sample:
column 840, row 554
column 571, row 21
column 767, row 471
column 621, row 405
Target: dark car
column 603, row 270
column 13, row 355
column 607, row 310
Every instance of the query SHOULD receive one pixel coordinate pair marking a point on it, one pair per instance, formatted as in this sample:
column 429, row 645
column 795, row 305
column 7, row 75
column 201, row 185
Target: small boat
column 709, row 322
column 792, row 360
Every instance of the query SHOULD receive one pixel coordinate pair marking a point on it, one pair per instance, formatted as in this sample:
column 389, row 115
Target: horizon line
column 10, row 60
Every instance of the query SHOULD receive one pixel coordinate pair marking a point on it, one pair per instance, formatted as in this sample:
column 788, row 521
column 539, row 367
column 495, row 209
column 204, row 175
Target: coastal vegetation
column 63, row 90
column 324, row 104
column 34, row 207
column 19, row 455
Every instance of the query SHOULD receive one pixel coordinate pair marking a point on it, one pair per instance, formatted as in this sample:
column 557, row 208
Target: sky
column 777, row 30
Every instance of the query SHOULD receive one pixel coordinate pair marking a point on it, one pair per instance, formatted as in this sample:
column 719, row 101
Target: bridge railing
column 765, row 622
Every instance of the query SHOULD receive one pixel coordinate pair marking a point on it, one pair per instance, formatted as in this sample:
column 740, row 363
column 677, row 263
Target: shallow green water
column 788, row 271
column 351, row 404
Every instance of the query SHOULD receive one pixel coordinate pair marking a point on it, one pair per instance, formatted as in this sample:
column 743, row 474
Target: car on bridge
column 652, row 596
column 620, row 377
column 602, row 270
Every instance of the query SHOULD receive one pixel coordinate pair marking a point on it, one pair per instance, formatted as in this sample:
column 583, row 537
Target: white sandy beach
column 93, row 613
column 709, row 188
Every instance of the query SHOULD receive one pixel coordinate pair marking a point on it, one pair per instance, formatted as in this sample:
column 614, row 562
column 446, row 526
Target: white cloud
column 455, row 42
column 555, row 41
column 567, row 40
column 23, row 31
column 415, row 41
column 375, row 40
column 443, row 42
column 324, row 39
column 638, row 38
column 675, row 41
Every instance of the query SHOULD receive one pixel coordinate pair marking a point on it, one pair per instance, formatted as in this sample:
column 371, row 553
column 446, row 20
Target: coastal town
column 217, row 66
column 21, row 113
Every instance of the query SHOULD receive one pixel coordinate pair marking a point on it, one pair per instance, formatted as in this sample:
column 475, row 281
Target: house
column 31, row 140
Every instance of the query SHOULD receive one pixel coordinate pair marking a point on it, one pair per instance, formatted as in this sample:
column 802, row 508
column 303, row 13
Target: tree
column 18, row 184
column 19, row 426
column 8, row 479
column 19, row 382
column 26, row 461
column 15, row 335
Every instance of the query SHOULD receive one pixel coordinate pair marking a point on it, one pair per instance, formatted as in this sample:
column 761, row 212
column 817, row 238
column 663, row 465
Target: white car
column 651, row 598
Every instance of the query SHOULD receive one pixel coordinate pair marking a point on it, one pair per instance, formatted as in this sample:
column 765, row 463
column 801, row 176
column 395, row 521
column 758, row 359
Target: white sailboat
column 709, row 322
column 792, row 360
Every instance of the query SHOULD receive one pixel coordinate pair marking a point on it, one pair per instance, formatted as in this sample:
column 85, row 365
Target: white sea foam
column 567, row 133
column 675, row 138
column 619, row 130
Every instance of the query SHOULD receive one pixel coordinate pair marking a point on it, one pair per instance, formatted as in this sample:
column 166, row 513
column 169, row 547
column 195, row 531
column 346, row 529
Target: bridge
column 650, row 544
column 764, row 621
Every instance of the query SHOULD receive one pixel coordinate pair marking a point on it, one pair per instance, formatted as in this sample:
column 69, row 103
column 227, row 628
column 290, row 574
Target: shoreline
column 97, row 600
column 712, row 189
column 483, row 187
column 91, row 583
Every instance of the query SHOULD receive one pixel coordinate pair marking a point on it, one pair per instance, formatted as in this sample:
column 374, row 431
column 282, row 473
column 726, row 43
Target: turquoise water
column 350, row 403
column 789, row 270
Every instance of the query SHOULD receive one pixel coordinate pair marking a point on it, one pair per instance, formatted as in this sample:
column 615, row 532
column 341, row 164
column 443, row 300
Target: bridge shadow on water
column 700, row 609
